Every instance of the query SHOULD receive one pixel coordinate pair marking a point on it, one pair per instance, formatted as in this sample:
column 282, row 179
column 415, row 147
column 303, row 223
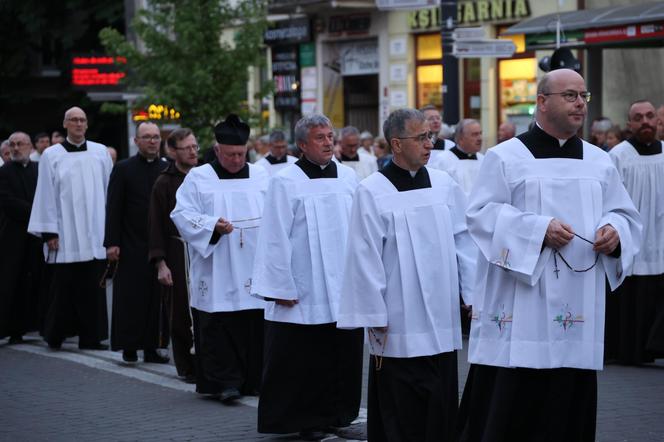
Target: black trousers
column 413, row 399
column 229, row 350
column 312, row 377
column 77, row 304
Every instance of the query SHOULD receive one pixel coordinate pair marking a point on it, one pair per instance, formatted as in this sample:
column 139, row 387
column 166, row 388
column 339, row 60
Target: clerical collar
column 345, row 158
column 439, row 144
column 403, row 179
column 646, row 149
column 72, row 147
column 146, row 159
column 542, row 145
column 314, row 171
column 273, row 160
column 460, row 154
column 223, row 174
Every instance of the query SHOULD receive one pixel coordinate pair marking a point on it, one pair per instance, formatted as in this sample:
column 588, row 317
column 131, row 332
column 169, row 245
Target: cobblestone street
column 91, row 396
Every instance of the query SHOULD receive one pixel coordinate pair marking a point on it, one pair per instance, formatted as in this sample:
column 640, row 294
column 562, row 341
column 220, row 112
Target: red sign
column 96, row 71
column 623, row 33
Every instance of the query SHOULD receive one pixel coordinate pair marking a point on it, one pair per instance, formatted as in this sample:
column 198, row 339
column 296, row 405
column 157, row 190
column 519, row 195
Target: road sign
column 483, row 48
column 391, row 5
column 476, row 33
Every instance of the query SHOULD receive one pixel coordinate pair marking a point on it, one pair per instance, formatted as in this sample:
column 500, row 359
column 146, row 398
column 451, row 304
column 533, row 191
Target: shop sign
column 359, row 58
column 485, row 48
column 307, row 55
column 285, row 73
column 472, row 13
column 624, row 33
column 96, row 72
column 349, row 24
column 288, row 32
column 569, row 38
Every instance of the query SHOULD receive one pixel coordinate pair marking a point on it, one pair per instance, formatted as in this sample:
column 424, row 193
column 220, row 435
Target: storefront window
column 517, row 85
column 429, row 70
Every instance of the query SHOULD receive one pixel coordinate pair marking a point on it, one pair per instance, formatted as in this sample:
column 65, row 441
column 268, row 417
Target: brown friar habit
column 163, row 243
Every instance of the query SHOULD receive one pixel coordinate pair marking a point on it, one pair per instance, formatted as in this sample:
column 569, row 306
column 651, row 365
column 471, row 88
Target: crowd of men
column 264, row 277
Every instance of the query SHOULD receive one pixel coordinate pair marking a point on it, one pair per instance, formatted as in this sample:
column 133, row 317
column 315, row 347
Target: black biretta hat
column 232, row 131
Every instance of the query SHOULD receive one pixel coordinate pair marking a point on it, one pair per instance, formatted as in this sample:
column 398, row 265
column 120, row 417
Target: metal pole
column 448, row 13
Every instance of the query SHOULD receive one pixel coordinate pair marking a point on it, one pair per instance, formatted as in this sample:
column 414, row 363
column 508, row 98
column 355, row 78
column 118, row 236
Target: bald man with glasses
column 68, row 214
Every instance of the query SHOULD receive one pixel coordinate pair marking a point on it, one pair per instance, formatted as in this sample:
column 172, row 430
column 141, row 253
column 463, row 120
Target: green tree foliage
column 194, row 56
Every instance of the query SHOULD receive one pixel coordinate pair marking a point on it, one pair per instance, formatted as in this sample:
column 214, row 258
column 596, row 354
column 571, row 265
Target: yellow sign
column 472, row 13
column 156, row 112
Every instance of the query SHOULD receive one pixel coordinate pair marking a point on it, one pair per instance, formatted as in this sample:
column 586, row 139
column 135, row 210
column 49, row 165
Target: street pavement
column 74, row 395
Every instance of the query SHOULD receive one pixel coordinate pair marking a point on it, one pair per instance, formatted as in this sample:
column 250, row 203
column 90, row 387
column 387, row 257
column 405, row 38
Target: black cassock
column 21, row 258
column 137, row 312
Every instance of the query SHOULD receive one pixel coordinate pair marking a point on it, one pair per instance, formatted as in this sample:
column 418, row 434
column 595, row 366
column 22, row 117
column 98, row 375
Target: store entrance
column 361, row 102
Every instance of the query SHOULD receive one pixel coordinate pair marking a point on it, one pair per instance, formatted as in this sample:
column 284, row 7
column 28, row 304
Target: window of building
column 428, row 70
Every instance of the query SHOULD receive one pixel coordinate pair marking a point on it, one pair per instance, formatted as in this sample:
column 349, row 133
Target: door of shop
column 361, row 102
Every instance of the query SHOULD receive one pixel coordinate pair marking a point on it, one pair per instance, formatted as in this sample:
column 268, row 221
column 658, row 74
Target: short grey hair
column 395, row 125
column 461, row 126
column 348, row 131
column 308, row 122
column 277, row 136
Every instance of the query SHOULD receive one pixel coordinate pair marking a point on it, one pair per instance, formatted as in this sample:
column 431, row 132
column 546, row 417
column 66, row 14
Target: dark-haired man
column 166, row 249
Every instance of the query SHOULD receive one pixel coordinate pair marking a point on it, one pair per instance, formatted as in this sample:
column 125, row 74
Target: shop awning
column 639, row 25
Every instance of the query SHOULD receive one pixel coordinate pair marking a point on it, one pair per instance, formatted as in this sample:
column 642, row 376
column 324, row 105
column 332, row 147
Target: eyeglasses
column 194, row 147
column 154, row 138
column 17, row 143
column 571, row 96
column 421, row 138
column 78, row 120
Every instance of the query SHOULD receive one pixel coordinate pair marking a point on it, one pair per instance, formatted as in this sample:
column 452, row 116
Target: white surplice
column 220, row 274
column 524, row 313
column 273, row 169
column 366, row 165
column 464, row 172
column 436, row 153
column 300, row 253
column 408, row 255
column 70, row 200
column 643, row 177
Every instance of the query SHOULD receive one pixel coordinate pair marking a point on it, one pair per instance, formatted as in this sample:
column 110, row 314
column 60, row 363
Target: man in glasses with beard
column 635, row 314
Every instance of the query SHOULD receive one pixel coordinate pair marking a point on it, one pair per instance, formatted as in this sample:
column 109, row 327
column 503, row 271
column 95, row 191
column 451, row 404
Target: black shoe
column 129, row 356
column 16, row 340
column 154, row 357
column 229, row 395
column 312, row 435
column 93, row 346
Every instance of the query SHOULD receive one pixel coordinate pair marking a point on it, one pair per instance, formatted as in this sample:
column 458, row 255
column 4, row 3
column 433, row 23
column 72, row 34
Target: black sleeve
column 14, row 207
column 115, row 206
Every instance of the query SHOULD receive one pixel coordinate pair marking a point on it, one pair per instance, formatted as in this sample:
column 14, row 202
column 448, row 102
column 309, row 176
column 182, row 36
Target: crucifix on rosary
column 557, row 253
column 243, row 227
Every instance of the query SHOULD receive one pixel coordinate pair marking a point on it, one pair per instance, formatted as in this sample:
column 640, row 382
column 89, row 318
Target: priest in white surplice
column 409, row 255
column 553, row 221
column 218, row 213
column 463, row 161
column 312, row 375
column 440, row 143
column 68, row 213
column 278, row 157
column 635, row 313
column 351, row 155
